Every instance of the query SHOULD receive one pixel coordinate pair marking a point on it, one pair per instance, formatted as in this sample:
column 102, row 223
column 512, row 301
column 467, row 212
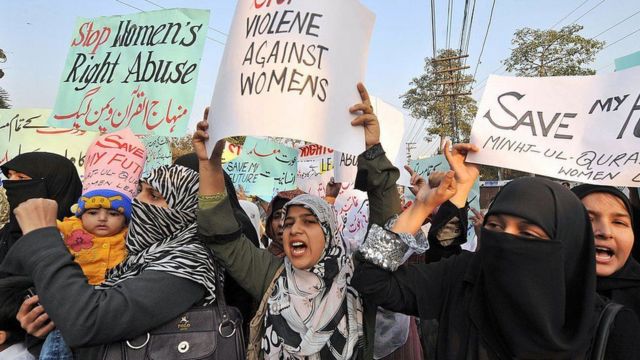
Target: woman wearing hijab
column 311, row 311
column 528, row 293
column 166, row 272
column 308, row 309
column 273, row 222
column 37, row 175
column 610, row 212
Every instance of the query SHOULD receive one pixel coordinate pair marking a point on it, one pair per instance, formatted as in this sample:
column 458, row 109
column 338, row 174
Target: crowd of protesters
column 84, row 265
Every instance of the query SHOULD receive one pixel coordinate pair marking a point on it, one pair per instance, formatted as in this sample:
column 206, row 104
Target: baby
column 96, row 235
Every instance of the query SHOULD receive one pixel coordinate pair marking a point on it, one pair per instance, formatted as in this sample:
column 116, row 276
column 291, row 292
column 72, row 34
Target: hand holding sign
column 367, row 118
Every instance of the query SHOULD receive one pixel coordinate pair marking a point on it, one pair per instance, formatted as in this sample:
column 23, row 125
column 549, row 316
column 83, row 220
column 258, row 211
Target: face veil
column 539, row 295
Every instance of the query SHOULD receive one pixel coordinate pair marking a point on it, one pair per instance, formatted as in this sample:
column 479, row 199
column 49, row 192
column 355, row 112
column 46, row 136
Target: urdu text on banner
column 577, row 128
column 290, row 69
column 138, row 71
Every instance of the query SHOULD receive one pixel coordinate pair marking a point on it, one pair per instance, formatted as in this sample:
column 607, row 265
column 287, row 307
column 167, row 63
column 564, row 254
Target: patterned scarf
column 166, row 240
column 315, row 314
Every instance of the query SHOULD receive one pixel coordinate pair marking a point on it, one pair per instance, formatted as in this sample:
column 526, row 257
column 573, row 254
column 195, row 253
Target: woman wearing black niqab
column 52, row 176
column 528, row 293
column 623, row 286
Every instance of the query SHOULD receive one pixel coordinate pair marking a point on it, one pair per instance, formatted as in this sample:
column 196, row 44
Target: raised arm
column 251, row 267
column 376, row 174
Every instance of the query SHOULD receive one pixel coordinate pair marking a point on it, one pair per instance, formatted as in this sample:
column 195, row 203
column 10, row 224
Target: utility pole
column 410, row 146
column 452, row 86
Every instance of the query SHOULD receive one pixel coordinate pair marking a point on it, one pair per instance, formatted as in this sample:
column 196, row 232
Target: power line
column 466, row 46
column 433, row 27
column 559, row 21
column 588, row 11
column 449, row 22
column 464, row 26
column 131, row 6
column 211, row 28
column 622, row 38
column 486, row 34
column 618, row 23
column 569, row 14
column 137, row 8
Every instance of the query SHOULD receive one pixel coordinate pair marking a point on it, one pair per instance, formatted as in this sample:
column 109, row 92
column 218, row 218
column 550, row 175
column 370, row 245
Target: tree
column 181, row 146
column 425, row 98
column 552, row 52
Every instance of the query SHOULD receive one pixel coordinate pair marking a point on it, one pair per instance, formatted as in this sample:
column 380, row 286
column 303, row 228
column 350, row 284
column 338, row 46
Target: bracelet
column 214, row 197
column 389, row 250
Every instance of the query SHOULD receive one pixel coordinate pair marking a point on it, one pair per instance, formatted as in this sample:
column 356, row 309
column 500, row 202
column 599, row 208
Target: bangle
column 214, row 197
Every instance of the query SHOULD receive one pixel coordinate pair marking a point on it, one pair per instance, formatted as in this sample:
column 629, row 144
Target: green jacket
column 254, row 268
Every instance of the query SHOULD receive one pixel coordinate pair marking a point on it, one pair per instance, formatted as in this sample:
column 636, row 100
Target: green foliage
column 181, row 146
column 423, row 102
column 552, row 52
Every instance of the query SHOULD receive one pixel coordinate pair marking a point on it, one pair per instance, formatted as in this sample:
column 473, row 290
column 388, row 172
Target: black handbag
column 607, row 317
column 203, row 332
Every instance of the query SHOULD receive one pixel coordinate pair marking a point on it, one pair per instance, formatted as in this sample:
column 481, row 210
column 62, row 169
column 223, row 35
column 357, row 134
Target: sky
column 35, row 35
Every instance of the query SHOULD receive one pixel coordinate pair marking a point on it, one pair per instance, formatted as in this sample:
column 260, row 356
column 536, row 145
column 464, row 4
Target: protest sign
column 315, row 168
column 264, row 168
column 138, row 71
column 158, row 152
column 26, row 130
column 424, row 167
column 290, row 69
column 115, row 162
column 391, row 133
column 352, row 210
column 578, row 128
column 230, row 152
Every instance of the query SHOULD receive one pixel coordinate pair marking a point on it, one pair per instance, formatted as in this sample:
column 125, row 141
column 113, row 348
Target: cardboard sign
column 315, row 169
column 115, row 162
column 352, row 210
column 391, row 133
column 158, row 152
column 26, row 130
column 264, row 168
column 138, row 71
column 290, row 69
column 579, row 128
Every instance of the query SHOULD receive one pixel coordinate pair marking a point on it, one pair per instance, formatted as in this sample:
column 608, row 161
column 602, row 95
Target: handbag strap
column 607, row 317
column 255, row 327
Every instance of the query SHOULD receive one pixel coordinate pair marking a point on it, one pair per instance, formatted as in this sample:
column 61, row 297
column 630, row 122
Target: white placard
column 577, row 128
column 290, row 69
column 391, row 133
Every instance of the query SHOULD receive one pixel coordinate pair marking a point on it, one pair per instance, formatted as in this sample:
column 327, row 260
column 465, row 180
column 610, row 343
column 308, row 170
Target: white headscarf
column 314, row 313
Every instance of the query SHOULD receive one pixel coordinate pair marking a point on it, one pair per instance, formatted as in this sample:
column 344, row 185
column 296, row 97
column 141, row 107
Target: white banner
column 290, row 69
column 578, row 128
column 391, row 134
